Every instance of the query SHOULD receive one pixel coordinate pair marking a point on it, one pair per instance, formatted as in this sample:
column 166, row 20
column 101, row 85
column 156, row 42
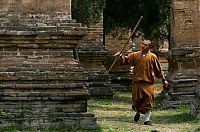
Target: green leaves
column 126, row 13
column 87, row 11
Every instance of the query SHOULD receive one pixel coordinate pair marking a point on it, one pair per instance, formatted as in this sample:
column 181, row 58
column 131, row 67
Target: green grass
column 116, row 115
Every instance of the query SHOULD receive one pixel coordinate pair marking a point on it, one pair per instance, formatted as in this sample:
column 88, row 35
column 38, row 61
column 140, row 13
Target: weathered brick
column 184, row 54
column 40, row 72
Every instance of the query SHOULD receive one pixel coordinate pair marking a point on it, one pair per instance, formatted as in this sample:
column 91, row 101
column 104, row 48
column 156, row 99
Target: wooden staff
column 117, row 57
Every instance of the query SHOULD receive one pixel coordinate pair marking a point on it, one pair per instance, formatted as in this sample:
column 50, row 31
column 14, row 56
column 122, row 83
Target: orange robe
column 146, row 69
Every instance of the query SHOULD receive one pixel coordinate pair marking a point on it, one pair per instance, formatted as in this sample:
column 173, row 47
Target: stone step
column 29, row 76
column 30, row 24
column 19, row 15
column 33, row 22
column 75, row 32
column 42, row 108
column 85, row 121
column 53, row 86
column 45, row 96
column 45, row 68
column 43, row 28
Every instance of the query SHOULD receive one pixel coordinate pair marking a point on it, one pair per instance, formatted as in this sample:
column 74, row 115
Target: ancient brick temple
column 184, row 71
column 92, row 55
column 121, row 77
column 41, row 80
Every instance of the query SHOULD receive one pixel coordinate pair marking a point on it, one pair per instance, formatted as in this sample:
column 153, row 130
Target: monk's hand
column 165, row 83
column 118, row 54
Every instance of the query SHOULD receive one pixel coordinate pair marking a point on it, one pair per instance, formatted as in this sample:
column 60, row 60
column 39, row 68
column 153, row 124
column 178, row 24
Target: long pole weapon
column 117, row 57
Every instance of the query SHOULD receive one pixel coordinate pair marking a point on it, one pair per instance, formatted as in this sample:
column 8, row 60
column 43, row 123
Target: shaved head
column 145, row 45
column 147, row 42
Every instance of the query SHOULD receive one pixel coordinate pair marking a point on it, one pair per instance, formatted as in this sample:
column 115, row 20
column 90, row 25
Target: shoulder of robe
column 153, row 55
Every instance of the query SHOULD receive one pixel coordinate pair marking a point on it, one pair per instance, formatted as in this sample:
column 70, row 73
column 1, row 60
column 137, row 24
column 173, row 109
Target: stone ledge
column 84, row 121
column 49, row 33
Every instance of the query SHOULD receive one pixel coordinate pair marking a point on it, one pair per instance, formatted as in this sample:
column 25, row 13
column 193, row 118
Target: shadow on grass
column 117, row 103
column 118, row 97
column 122, row 99
column 126, row 119
column 170, row 119
column 109, row 108
column 176, row 118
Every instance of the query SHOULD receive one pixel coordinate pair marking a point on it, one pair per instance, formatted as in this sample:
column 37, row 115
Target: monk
column 146, row 69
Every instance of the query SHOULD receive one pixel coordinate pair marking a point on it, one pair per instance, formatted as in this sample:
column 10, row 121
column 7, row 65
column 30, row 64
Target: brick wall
column 41, row 80
column 184, row 53
column 116, row 40
column 37, row 6
column 92, row 54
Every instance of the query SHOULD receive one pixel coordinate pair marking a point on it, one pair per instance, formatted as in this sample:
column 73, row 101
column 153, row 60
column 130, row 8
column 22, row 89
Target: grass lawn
column 115, row 115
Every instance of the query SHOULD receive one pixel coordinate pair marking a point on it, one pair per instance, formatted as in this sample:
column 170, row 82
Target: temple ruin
column 121, row 77
column 92, row 55
column 184, row 55
column 41, row 80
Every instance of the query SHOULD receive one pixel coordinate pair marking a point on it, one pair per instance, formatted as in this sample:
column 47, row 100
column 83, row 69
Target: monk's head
column 145, row 45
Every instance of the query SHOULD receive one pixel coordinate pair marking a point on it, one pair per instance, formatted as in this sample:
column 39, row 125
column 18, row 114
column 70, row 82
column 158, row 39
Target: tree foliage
column 87, row 11
column 125, row 13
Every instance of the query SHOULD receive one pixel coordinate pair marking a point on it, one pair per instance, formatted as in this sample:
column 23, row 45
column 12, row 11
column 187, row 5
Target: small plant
column 103, row 101
column 197, row 130
column 15, row 128
column 20, row 113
